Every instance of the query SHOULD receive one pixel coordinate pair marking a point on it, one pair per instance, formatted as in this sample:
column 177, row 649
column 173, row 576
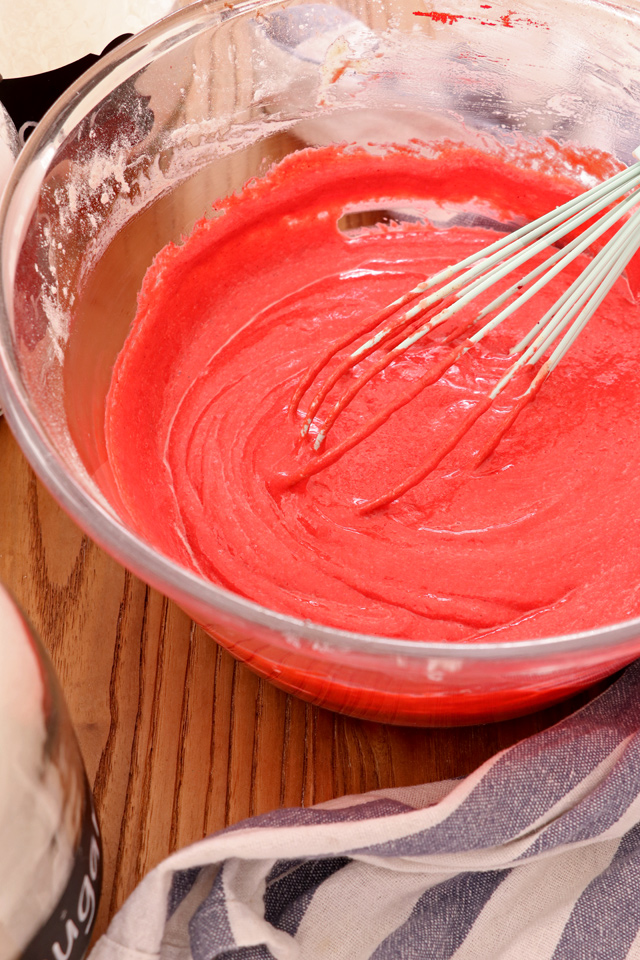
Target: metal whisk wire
column 399, row 326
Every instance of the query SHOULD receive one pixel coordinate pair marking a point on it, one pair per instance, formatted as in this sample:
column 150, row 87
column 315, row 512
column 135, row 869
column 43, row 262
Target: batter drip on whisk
column 558, row 237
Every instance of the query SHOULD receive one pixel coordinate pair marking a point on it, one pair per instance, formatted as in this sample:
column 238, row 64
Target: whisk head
column 573, row 228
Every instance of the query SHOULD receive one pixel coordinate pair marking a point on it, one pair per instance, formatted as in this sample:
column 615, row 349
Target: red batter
column 541, row 539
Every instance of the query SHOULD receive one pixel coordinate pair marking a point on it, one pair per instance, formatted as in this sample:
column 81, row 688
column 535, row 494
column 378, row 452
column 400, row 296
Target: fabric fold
column 535, row 854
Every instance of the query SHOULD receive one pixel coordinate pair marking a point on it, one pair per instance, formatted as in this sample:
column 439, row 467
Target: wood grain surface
column 179, row 739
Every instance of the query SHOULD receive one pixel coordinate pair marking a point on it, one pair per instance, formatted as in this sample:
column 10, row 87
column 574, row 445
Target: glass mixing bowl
column 184, row 113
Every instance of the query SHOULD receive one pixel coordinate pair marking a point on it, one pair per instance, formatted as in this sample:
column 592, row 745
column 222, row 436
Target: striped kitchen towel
column 536, row 855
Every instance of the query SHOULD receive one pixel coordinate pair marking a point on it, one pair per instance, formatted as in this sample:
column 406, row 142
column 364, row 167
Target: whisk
column 398, row 326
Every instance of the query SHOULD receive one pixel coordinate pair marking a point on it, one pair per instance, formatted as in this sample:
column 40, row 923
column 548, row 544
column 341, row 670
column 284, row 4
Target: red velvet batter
column 541, row 539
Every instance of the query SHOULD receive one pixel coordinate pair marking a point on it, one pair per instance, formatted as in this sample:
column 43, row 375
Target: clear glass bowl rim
column 132, row 552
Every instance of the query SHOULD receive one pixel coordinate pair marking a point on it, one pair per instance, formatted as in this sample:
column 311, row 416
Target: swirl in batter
column 541, row 539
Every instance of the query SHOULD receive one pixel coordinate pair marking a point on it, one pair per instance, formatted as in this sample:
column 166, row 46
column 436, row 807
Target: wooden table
column 179, row 739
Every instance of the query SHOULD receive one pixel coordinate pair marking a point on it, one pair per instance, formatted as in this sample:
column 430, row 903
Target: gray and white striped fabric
column 535, row 856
